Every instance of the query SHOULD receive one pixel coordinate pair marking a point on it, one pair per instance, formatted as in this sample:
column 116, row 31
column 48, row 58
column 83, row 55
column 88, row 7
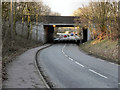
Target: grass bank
column 106, row 49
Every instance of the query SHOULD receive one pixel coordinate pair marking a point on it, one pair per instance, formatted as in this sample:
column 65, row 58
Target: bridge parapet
column 59, row 19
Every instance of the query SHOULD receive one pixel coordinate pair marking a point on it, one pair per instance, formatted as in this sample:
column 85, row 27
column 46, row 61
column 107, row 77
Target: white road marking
column 102, row 60
column 79, row 64
column 83, row 65
column 66, row 55
column 64, row 46
column 71, row 59
column 63, row 52
column 97, row 73
column 111, row 63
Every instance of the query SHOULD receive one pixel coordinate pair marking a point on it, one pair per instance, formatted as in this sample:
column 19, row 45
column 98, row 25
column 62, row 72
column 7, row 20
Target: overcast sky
column 65, row 7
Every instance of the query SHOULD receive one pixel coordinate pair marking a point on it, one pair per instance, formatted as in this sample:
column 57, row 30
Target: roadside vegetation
column 106, row 49
column 25, row 13
column 102, row 19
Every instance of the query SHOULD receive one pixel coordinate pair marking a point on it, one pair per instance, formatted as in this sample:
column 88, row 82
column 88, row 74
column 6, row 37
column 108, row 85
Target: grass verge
column 106, row 49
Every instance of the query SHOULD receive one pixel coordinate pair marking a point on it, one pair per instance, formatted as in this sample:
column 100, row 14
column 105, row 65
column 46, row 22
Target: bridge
column 48, row 22
column 58, row 21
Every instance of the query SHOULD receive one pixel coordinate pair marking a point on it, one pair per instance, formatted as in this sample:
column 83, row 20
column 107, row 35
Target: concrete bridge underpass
column 58, row 21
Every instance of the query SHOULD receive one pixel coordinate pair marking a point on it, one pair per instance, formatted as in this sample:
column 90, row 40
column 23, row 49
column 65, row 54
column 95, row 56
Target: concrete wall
column 19, row 28
column 89, row 35
column 35, row 28
column 45, row 33
column 41, row 33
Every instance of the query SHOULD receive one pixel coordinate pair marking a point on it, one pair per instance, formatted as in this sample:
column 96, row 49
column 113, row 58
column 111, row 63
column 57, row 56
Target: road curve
column 68, row 67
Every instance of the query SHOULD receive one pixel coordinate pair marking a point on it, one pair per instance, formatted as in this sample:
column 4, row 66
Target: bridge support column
column 49, row 36
column 85, row 34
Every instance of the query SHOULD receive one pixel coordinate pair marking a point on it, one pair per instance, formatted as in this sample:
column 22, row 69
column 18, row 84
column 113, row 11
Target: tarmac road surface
column 68, row 67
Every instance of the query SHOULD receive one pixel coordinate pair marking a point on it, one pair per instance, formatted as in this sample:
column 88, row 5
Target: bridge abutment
column 49, row 31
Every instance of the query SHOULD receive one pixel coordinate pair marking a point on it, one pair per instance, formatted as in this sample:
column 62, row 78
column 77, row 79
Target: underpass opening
column 59, row 37
column 58, row 21
column 53, row 22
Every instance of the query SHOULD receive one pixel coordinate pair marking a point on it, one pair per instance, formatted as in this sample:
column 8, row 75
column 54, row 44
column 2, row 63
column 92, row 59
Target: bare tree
column 100, row 17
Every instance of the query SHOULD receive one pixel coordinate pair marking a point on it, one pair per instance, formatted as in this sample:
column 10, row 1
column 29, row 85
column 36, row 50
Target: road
column 68, row 67
column 73, row 39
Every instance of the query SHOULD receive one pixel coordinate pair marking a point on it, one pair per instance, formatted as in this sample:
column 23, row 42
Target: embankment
column 106, row 49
